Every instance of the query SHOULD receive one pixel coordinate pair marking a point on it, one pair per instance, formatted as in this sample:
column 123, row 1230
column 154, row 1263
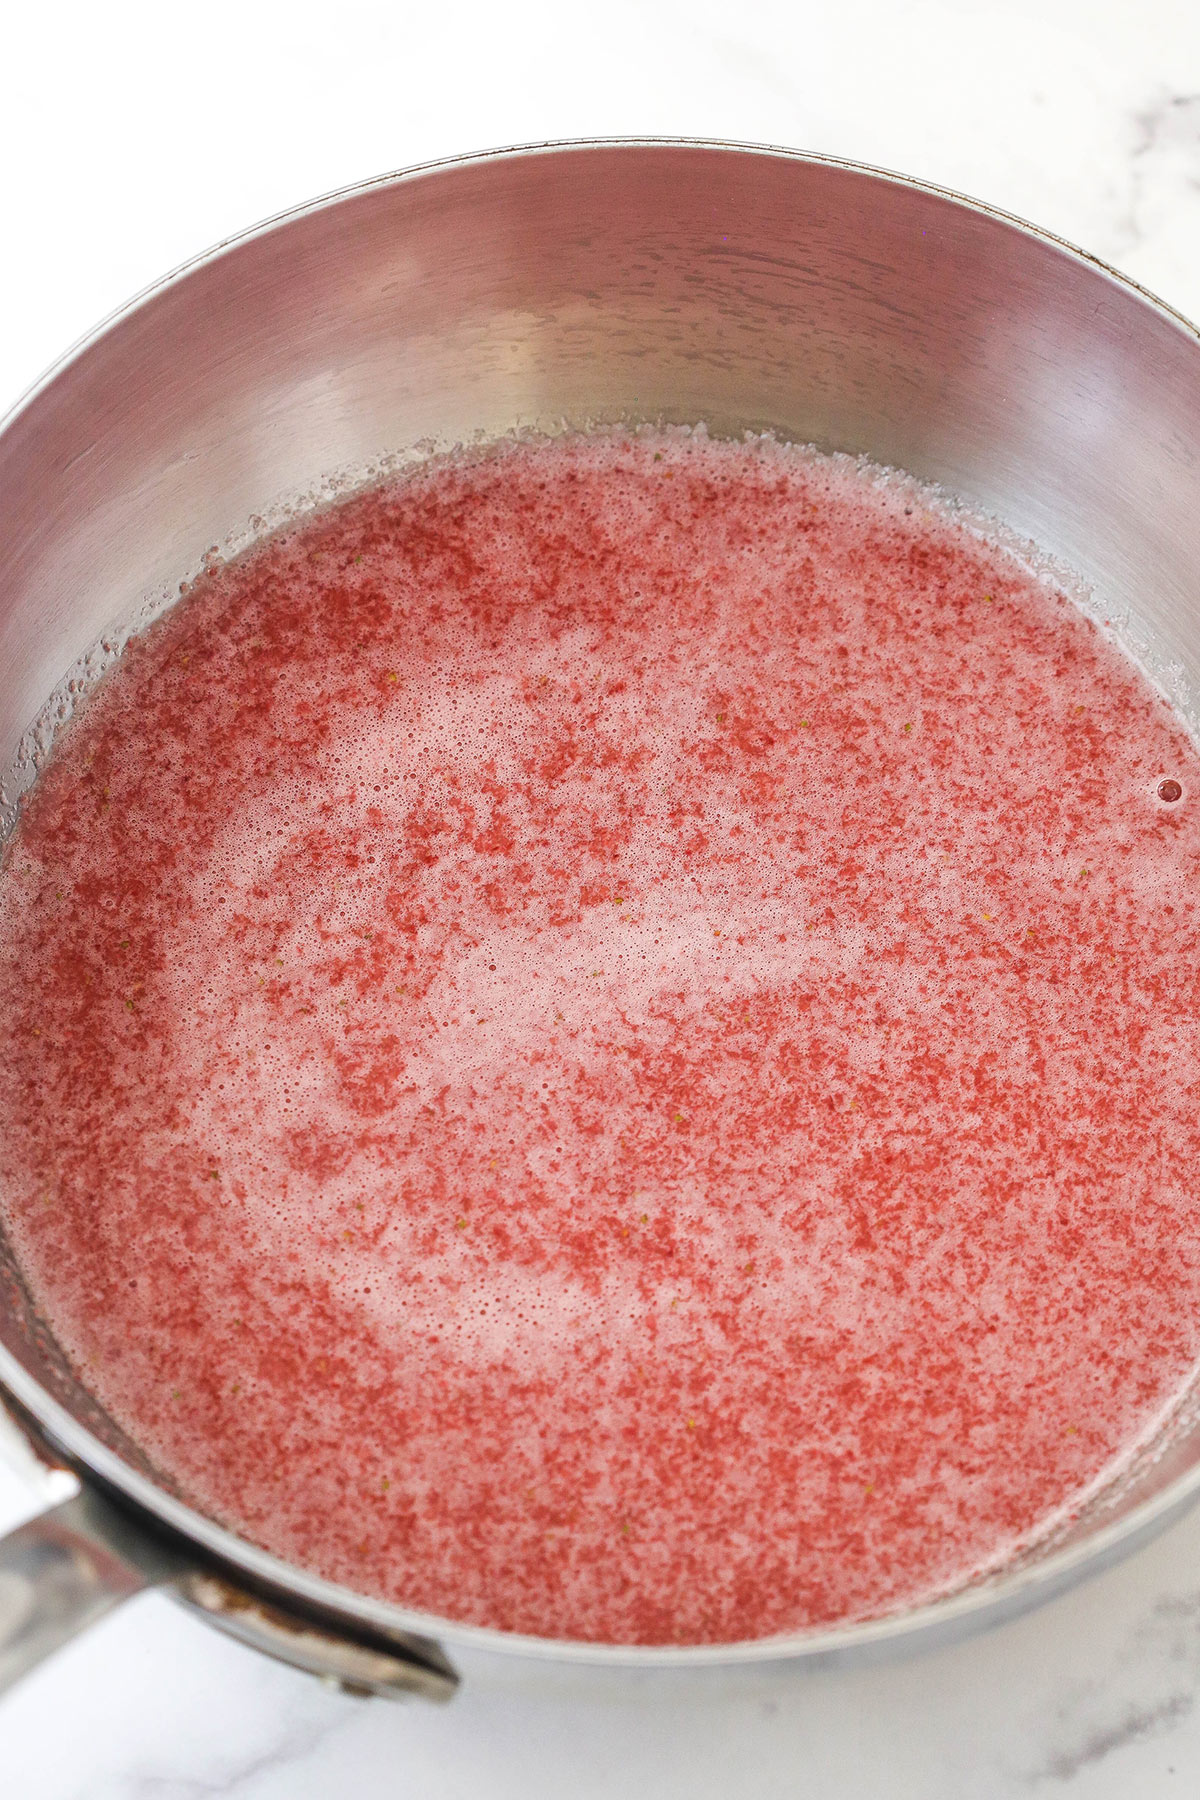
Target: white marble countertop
column 135, row 135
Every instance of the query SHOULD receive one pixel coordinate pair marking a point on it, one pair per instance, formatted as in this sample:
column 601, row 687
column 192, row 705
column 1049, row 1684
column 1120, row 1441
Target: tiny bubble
column 1169, row 790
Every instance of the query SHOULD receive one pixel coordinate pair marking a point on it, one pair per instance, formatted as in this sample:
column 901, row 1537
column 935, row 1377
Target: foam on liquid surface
column 604, row 1042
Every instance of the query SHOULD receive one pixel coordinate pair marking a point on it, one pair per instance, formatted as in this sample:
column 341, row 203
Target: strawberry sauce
column 603, row 1041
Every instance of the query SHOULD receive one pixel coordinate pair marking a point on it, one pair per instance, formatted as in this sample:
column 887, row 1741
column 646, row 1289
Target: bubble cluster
column 601, row 1040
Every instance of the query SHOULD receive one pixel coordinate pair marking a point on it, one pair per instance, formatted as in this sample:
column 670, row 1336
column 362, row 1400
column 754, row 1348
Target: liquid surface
column 604, row 1042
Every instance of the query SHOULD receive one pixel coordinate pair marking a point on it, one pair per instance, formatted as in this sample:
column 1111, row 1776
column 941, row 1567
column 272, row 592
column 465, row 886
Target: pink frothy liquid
column 603, row 1042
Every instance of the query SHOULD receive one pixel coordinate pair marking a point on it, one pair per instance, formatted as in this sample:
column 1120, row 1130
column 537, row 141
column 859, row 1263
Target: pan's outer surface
column 659, row 280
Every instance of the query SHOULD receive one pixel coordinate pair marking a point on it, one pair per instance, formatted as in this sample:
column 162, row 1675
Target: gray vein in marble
column 299, row 1734
column 1164, row 166
column 1133, row 1725
column 1172, row 120
column 1151, row 1685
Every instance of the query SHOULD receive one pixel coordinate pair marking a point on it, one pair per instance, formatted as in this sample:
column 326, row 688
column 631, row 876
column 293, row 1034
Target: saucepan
column 563, row 283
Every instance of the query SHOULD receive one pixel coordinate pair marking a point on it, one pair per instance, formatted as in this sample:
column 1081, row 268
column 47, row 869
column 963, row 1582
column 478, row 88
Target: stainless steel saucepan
column 580, row 283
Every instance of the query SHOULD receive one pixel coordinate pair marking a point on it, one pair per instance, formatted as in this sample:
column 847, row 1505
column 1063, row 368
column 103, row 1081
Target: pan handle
column 65, row 1569
column 60, row 1573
